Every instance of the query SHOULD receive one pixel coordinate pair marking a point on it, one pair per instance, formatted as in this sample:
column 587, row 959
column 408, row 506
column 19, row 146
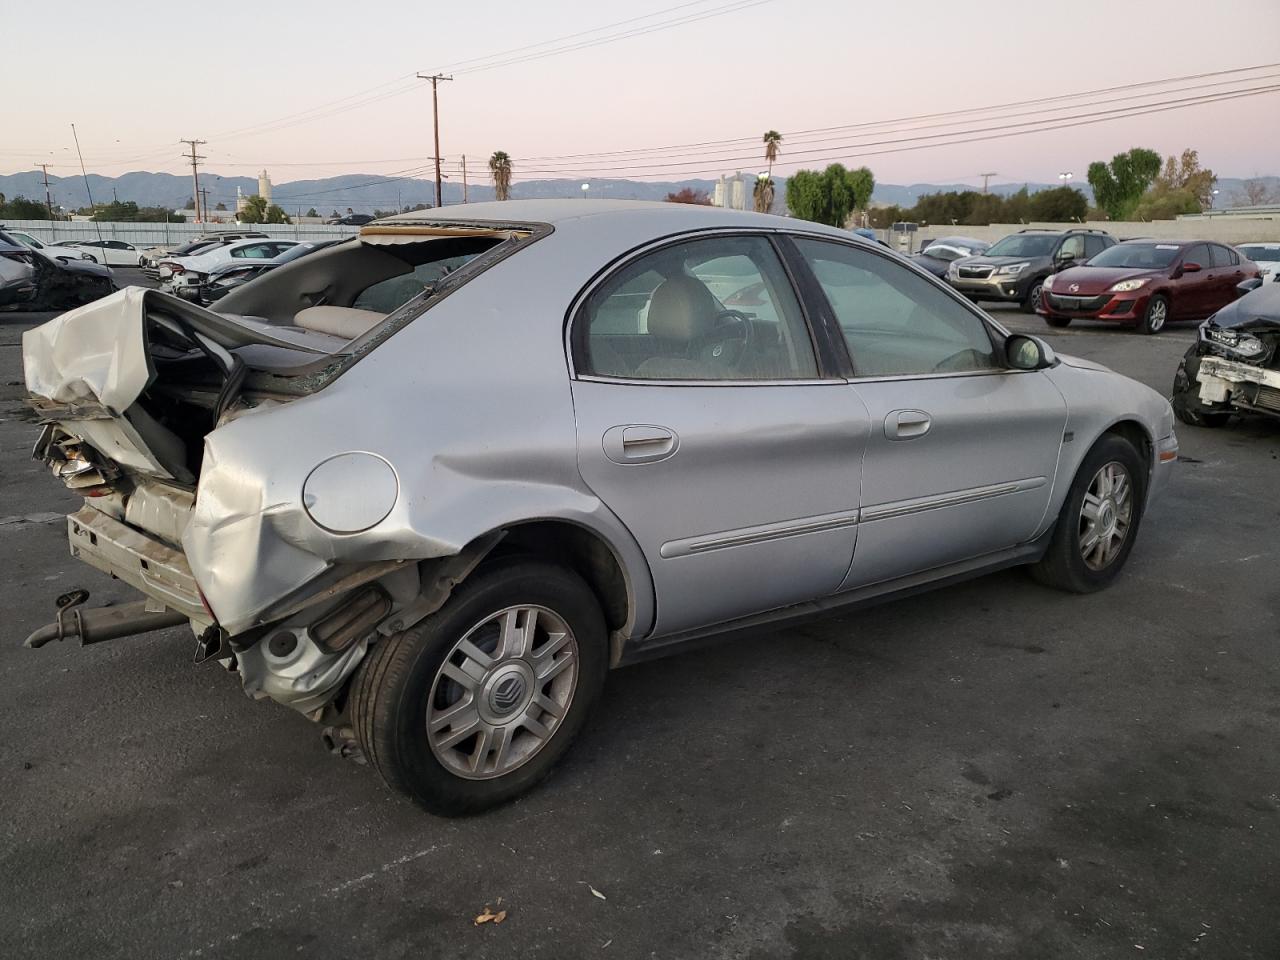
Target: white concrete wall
column 147, row 234
column 1221, row 227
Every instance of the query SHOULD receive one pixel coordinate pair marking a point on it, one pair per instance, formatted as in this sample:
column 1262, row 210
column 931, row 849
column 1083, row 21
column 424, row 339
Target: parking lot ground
column 992, row 770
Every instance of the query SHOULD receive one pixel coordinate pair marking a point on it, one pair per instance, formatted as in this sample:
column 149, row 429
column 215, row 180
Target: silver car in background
column 427, row 486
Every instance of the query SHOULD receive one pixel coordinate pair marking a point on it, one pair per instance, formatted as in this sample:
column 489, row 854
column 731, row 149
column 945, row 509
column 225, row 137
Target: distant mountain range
column 365, row 192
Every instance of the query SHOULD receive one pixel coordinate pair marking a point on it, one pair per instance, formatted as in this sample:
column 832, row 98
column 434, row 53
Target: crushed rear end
column 201, row 488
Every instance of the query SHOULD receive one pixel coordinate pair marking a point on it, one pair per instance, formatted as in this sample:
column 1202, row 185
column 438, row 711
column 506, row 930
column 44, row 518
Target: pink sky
column 135, row 77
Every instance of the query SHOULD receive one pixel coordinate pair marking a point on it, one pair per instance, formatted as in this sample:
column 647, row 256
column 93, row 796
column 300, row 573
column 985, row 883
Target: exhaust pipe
column 104, row 623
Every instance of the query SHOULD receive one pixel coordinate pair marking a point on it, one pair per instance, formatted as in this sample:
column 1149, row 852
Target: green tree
column 1120, row 184
column 1160, row 203
column 20, row 208
column 1184, row 173
column 830, row 196
column 762, row 194
column 276, row 214
column 255, row 210
column 689, row 195
column 312, row 212
column 220, row 206
column 772, row 147
column 1059, row 205
column 500, row 170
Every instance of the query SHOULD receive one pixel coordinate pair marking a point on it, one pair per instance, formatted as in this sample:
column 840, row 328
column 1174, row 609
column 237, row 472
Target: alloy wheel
column 502, row 692
column 1157, row 313
column 1106, row 515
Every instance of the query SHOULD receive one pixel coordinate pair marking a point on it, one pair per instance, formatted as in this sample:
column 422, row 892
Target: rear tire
column 462, row 669
column 1156, row 315
column 1074, row 563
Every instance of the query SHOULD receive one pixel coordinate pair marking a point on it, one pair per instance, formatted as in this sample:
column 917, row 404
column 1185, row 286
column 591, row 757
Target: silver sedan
column 428, row 485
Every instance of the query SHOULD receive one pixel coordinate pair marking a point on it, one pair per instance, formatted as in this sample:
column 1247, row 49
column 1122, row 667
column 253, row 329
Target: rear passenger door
column 711, row 425
column 1227, row 273
column 962, row 450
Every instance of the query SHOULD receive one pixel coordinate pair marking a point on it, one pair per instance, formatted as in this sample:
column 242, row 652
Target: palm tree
column 763, row 194
column 772, row 139
column 500, row 168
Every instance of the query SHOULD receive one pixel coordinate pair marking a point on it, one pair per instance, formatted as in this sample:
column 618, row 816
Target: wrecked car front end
column 1234, row 366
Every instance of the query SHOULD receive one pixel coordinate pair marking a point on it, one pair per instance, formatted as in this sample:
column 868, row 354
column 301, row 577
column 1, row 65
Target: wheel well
column 582, row 551
column 1133, row 431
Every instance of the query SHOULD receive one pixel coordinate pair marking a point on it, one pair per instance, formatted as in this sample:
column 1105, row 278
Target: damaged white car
column 428, row 485
column 1234, row 366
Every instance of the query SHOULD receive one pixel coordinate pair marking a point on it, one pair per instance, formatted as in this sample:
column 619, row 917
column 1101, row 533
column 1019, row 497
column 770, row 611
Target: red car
column 1147, row 283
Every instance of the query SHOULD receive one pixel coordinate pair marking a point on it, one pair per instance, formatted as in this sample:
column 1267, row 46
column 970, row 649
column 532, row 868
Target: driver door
column 962, row 450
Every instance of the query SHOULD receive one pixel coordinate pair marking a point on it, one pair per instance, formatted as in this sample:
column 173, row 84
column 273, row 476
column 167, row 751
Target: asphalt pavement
column 991, row 770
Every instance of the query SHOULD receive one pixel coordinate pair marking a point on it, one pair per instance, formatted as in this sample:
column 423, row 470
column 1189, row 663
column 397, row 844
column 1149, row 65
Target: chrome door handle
column 907, row 424
column 639, row 443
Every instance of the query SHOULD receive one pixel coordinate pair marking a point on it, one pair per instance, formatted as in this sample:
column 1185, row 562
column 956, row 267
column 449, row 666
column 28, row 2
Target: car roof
column 1180, row 243
column 561, row 213
column 963, row 241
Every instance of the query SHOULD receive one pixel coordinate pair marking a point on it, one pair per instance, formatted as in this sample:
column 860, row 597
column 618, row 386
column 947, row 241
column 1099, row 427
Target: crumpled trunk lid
column 97, row 372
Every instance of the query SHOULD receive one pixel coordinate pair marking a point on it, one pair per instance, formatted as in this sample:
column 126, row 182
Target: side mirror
column 1028, row 353
column 1190, row 267
column 1244, row 286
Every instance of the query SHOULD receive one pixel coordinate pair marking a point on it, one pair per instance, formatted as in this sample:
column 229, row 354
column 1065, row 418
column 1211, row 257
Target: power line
column 582, row 33
column 734, row 7
column 924, row 116
column 997, row 133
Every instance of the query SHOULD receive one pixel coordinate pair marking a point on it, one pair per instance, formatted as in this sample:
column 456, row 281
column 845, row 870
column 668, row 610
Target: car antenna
column 94, row 218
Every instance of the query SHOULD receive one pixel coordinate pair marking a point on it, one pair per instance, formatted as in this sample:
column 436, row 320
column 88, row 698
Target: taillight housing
column 174, row 268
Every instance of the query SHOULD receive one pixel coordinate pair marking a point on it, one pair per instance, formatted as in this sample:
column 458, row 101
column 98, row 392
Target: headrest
column 682, row 308
column 345, row 322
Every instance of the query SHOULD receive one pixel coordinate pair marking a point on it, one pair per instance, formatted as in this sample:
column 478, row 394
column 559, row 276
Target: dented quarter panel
column 471, row 456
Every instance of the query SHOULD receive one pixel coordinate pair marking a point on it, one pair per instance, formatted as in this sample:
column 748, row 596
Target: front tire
column 474, row 705
column 1156, row 314
column 1032, row 299
column 1099, row 520
column 1058, row 322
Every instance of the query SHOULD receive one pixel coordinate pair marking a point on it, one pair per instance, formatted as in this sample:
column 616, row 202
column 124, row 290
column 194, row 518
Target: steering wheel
column 727, row 340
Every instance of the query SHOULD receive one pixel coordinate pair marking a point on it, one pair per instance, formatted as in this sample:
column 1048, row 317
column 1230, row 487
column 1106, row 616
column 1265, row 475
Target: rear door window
column 1093, row 246
column 715, row 308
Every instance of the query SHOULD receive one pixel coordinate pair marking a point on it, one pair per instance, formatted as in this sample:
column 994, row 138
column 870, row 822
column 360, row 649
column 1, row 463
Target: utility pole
column 48, row 197
column 204, row 200
column 435, row 79
column 195, row 175
column 985, row 178
column 464, row 178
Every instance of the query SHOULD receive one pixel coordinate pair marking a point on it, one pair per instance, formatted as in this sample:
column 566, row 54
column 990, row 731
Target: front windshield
column 1024, row 245
column 1143, row 256
column 1259, row 252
